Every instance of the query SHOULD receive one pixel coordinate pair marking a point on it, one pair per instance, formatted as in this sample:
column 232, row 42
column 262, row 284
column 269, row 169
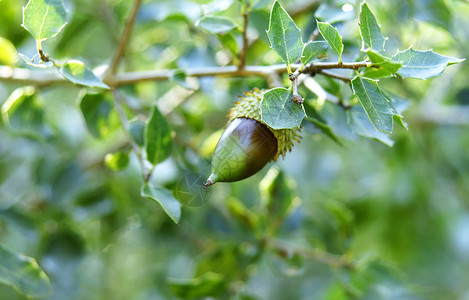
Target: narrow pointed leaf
column 284, row 35
column 78, row 73
column 44, row 18
column 23, row 274
column 216, row 24
column 314, row 51
column 165, row 198
column 332, row 37
column 422, row 64
column 360, row 124
column 278, row 111
column 370, row 31
column 158, row 140
column 377, row 105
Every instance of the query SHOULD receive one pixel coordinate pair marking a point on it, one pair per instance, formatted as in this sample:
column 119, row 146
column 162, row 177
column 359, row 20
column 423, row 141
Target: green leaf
column 360, row 124
column 8, row 55
column 97, row 110
column 23, row 274
column 137, row 131
column 165, row 198
column 22, row 112
column 284, row 35
column 370, row 31
column 44, row 18
column 332, row 37
column 422, row 64
column 78, row 73
column 31, row 62
column 158, row 140
column 314, row 51
column 117, row 161
column 377, row 105
column 215, row 24
column 207, row 285
column 229, row 42
column 278, row 111
column 277, row 194
column 386, row 68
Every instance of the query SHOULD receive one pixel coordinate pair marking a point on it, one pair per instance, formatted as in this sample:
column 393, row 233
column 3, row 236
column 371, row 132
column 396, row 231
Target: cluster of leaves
column 285, row 38
column 220, row 269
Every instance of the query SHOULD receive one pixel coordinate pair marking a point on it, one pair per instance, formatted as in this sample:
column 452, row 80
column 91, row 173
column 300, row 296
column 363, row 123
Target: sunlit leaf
column 165, row 198
column 44, row 18
column 117, row 161
column 78, row 73
column 23, row 274
column 278, row 111
column 284, row 35
column 7, row 52
column 422, row 64
column 370, row 31
column 332, row 37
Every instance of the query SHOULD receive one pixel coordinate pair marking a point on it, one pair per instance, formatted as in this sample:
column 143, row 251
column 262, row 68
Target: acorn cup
column 248, row 144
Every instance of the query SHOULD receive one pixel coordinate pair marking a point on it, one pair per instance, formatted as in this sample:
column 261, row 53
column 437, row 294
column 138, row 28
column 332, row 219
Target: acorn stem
column 212, row 179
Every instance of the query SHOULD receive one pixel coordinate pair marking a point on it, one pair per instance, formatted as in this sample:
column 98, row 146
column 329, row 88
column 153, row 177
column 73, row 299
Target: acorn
column 247, row 143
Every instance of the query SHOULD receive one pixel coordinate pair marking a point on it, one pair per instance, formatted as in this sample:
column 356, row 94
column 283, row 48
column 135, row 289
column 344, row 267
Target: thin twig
column 314, row 35
column 42, row 78
column 124, row 38
column 316, row 67
column 323, row 257
column 242, row 54
column 126, row 126
column 332, row 75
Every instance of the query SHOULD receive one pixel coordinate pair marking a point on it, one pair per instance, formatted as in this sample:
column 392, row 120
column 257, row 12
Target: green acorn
column 248, row 144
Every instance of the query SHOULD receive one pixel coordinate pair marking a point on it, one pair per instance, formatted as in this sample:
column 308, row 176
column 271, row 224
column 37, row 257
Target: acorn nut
column 248, row 144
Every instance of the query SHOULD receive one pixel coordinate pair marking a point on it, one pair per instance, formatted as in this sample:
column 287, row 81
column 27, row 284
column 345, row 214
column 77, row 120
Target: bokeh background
column 359, row 221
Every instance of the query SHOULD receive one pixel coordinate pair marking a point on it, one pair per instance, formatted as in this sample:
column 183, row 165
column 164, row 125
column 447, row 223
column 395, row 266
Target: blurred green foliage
column 363, row 221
